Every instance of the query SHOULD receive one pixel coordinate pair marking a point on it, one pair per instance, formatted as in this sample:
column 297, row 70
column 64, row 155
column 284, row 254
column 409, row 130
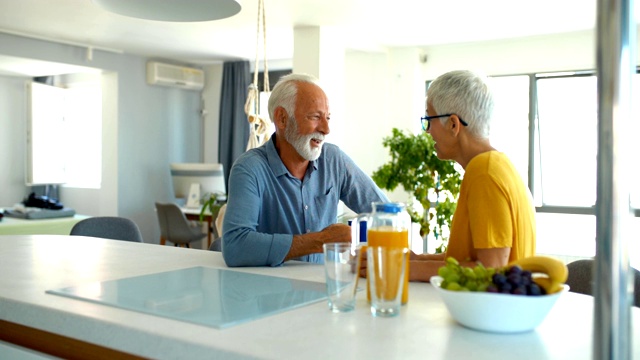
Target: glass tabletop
column 212, row 297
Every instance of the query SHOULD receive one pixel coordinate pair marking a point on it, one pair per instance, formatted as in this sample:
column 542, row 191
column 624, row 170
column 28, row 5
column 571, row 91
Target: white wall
column 383, row 91
column 13, row 105
column 561, row 52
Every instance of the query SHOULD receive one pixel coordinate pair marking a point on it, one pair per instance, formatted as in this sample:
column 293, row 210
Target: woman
column 494, row 221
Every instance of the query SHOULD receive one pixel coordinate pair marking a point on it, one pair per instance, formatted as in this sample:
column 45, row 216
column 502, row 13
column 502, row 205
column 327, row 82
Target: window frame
column 533, row 115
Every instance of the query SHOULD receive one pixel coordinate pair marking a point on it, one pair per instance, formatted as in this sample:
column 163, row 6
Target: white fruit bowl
column 500, row 313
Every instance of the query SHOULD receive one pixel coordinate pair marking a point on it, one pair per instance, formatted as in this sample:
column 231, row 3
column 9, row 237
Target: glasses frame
column 426, row 120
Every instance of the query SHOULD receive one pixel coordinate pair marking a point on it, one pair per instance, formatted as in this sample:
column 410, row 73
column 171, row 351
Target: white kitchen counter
column 33, row 264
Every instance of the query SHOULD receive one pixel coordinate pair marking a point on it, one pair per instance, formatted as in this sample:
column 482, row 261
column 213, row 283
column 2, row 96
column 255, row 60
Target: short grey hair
column 285, row 92
column 466, row 94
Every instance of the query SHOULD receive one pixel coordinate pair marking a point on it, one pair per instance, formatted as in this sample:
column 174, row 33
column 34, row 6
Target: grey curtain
column 234, row 127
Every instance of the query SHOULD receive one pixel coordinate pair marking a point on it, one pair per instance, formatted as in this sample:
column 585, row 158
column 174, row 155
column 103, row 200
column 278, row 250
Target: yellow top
column 494, row 210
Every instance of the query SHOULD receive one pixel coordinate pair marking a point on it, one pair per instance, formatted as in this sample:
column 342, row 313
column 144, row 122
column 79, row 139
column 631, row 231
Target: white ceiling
column 366, row 25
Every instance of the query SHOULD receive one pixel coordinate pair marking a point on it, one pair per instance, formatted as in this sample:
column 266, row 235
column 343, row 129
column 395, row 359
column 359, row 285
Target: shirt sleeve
column 242, row 245
column 489, row 214
column 358, row 190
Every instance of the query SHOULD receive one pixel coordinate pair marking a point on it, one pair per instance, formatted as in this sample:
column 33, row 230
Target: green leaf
column 210, row 205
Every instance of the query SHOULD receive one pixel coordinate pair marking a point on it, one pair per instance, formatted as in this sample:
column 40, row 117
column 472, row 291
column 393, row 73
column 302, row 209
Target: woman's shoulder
column 492, row 157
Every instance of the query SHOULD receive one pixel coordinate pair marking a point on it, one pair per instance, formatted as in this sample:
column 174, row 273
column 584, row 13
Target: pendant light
column 172, row 10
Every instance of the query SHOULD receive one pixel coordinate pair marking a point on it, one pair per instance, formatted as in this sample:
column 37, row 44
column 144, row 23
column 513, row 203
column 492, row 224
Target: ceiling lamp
column 172, row 10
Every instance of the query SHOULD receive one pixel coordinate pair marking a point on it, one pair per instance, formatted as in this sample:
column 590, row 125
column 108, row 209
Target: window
column 510, row 124
column 564, row 154
column 84, row 127
column 566, row 141
column 45, row 129
column 634, row 131
column 65, row 135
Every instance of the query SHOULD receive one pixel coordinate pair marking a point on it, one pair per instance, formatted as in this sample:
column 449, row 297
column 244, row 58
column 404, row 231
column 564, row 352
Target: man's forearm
column 311, row 243
column 306, row 244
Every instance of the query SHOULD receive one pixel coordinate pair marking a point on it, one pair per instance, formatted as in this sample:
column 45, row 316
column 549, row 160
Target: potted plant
column 434, row 183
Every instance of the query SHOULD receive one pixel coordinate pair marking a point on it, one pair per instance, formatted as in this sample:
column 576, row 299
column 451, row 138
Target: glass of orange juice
column 386, row 270
column 387, row 226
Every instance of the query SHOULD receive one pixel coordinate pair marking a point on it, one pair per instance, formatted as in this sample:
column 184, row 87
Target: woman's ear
column 454, row 124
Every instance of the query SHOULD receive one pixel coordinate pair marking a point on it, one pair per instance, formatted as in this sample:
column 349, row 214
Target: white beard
column 302, row 143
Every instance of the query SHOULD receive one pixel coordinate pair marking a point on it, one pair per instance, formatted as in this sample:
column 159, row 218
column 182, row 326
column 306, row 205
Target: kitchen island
column 53, row 324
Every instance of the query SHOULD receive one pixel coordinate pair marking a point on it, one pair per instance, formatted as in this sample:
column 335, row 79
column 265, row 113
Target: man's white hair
column 285, row 92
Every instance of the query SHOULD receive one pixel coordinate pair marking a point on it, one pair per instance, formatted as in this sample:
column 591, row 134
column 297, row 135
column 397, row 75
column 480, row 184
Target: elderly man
column 494, row 222
column 283, row 196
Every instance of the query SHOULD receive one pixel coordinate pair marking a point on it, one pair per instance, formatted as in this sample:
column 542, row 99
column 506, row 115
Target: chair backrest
column 174, row 225
column 216, row 245
column 220, row 219
column 108, row 227
column 581, row 279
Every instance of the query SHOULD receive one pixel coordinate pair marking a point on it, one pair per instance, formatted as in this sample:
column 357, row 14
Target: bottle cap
column 393, row 208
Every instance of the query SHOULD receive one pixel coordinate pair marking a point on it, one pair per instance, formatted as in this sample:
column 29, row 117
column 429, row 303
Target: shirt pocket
column 327, row 206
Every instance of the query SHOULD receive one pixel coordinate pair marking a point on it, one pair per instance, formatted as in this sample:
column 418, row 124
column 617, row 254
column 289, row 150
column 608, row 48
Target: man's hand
column 362, row 262
column 311, row 243
column 336, row 233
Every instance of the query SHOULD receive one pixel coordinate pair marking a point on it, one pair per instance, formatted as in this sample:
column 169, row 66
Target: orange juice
column 392, row 237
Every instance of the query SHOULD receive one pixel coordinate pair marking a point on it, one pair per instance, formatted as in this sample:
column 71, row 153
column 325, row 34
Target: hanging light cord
column 258, row 124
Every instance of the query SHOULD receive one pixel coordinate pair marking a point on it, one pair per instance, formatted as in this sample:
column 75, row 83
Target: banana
column 546, row 283
column 555, row 270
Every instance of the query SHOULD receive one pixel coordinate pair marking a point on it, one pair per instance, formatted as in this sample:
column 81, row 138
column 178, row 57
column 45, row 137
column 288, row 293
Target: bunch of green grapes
column 461, row 278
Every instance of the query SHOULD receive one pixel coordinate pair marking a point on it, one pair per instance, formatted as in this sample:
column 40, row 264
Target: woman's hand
column 362, row 261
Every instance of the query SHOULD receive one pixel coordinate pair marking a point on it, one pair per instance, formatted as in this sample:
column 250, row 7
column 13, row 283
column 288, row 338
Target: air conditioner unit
column 173, row 75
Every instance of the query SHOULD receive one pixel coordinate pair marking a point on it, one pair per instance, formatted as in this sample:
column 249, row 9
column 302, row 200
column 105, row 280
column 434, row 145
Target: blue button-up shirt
column 266, row 205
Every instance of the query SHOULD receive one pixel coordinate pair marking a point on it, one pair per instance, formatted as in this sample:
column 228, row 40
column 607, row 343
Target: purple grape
column 534, row 290
column 519, row 290
column 505, row 287
column 514, row 270
column 514, row 279
column 499, row 279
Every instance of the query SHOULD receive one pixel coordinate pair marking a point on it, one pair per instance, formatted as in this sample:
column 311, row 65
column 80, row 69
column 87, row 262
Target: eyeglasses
column 426, row 121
